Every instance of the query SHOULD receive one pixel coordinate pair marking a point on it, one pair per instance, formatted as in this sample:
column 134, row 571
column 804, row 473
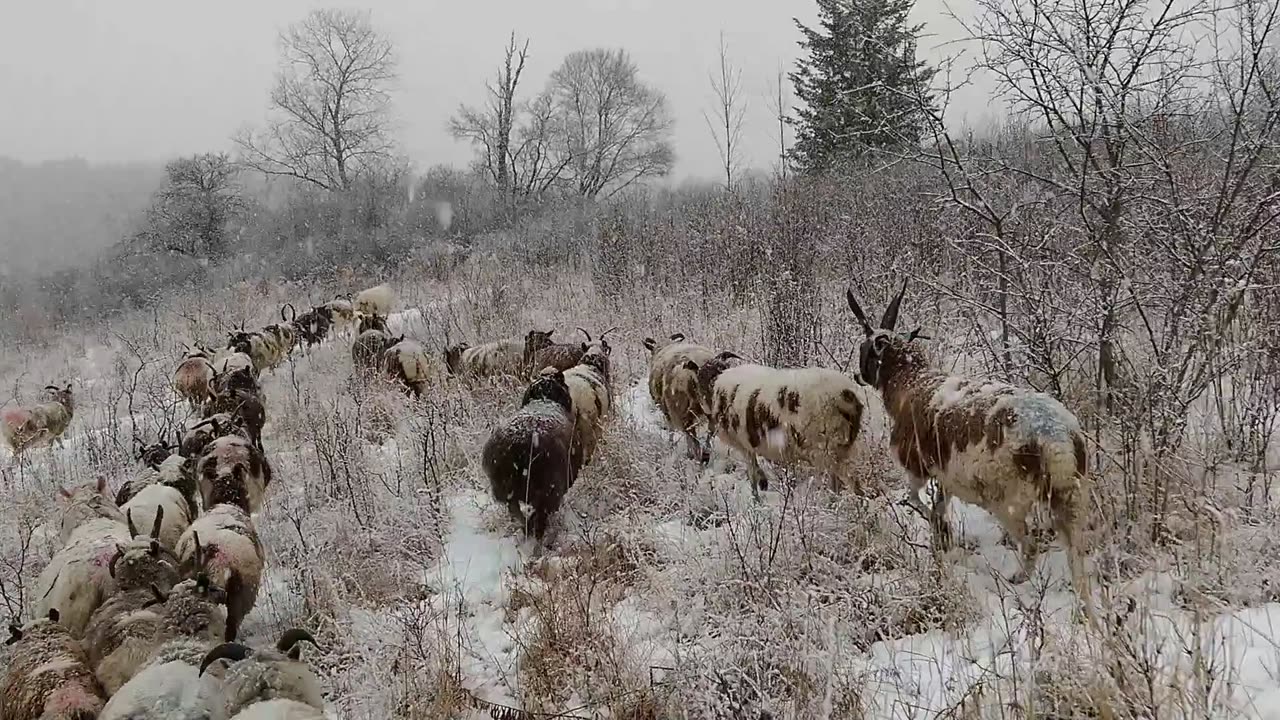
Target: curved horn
column 606, row 332
column 857, row 311
column 157, row 597
column 52, row 387
column 288, row 642
column 198, row 555
column 291, row 307
column 235, row 652
column 155, row 526
column 133, row 529
column 890, row 318
column 584, row 332
column 111, row 566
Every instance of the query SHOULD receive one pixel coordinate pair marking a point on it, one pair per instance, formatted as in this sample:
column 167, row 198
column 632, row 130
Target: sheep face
column 534, row 341
column 653, row 346
column 86, row 503
column 61, row 395
column 269, row 674
column 453, row 357
column 708, row 372
column 372, row 322
column 884, row 352
column 550, row 387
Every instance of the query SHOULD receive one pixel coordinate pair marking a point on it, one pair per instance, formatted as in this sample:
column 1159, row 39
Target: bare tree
column 190, row 214
column 780, row 105
column 729, row 111
column 539, row 156
column 614, row 129
column 490, row 127
column 329, row 108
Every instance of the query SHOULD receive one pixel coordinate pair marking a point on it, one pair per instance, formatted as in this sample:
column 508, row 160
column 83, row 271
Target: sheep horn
column 128, row 516
column 158, row 598
column 584, row 332
column 857, row 311
column 52, row 387
column 111, row 567
column 15, row 634
column 235, row 652
column 606, row 332
column 198, row 555
column 890, row 318
column 291, row 307
column 677, row 336
column 288, row 642
column 155, row 526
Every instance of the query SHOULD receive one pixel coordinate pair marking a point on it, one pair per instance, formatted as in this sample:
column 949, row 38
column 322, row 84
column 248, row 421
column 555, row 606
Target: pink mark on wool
column 15, row 417
column 72, row 696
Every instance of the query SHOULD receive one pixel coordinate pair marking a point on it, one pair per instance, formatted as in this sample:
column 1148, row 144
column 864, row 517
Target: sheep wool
column 674, row 388
column 48, row 677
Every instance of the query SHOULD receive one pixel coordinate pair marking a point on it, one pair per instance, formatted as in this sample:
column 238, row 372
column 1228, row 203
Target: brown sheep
column 674, row 388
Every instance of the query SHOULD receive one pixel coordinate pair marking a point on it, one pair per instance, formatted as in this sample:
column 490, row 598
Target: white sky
column 147, row 80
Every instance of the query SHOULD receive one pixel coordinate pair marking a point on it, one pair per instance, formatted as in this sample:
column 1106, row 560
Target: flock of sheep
column 135, row 617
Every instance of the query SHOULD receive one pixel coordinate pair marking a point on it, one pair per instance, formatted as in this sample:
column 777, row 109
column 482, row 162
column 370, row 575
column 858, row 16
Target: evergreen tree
column 859, row 84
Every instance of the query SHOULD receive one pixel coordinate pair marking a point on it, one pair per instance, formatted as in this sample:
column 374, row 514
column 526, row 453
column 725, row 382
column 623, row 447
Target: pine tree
column 860, row 85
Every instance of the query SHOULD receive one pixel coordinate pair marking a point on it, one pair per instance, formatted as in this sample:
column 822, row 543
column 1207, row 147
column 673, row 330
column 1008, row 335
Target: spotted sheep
column 406, row 361
column 120, row 634
column 77, row 578
column 168, row 686
column 268, row 684
column 25, row 427
column 560, row 356
column 377, row 300
column 591, row 395
column 193, row 378
column 233, row 470
column 674, row 388
column 1003, row 448
column 530, row 456
column 202, row 431
column 512, row 356
column 239, row 394
column 223, row 544
column 48, row 676
column 806, row 417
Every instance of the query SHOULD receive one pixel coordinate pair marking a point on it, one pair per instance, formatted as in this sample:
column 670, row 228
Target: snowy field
column 665, row 591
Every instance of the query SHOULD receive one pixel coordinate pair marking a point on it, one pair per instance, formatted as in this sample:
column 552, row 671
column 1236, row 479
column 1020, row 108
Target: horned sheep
column 168, row 686
column 591, row 395
column 674, row 388
column 512, row 356
column 77, row 579
column 25, row 427
column 789, row 416
column 530, row 456
column 48, row 676
column 1003, row 448
column 238, row 393
column 233, row 470
column 228, row 360
column 224, row 544
column 202, row 431
column 560, row 356
column 193, row 378
column 271, row 683
column 372, row 340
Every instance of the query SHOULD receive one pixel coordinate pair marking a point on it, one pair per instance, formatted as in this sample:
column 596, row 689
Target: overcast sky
column 147, row 80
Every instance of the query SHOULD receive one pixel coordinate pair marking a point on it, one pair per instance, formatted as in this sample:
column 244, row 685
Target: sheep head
column 549, row 386
column 884, row 351
column 654, row 346
column 453, row 357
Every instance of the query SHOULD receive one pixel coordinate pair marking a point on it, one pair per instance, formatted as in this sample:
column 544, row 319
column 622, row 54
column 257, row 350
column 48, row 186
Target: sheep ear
column 691, row 366
column 54, row 615
column 15, row 634
column 857, row 311
column 111, row 566
column 917, row 335
column 890, row 318
column 649, row 344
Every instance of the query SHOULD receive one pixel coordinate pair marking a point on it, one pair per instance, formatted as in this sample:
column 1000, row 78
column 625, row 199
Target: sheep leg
column 1017, row 531
column 938, row 520
column 513, row 509
column 1068, row 513
column 693, row 447
column 759, row 481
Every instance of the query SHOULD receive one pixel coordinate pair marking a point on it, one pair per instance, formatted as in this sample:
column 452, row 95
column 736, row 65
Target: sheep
column 377, row 300
column 205, row 430
column 314, row 325
column 48, row 676
column 224, row 544
column 512, row 357
column 77, row 578
column 561, row 356
column 674, row 388
column 193, row 377
column 163, row 501
column 341, row 312
column 233, row 470
column 1000, row 447
column 238, row 393
column 373, row 339
column 276, row 678
column 407, row 362
column 590, row 392
column 45, row 422
column 120, row 634
column 228, row 360
column 789, row 416
column 168, row 686
column 530, row 456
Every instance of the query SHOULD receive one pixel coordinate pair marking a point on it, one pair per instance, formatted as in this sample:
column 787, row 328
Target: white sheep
column 228, row 360
column 224, row 544
column 24, row 427
column 674, row 388
column 77, row 578
column 48, row 677
column 277, row 678
column 591, row 393
column 378, row 300
column 1003, row 448
column 806, row 417
column 513, row 357
column 407, row 362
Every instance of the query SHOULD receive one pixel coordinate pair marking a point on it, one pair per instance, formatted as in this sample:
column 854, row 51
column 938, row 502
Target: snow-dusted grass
column 664, row 591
